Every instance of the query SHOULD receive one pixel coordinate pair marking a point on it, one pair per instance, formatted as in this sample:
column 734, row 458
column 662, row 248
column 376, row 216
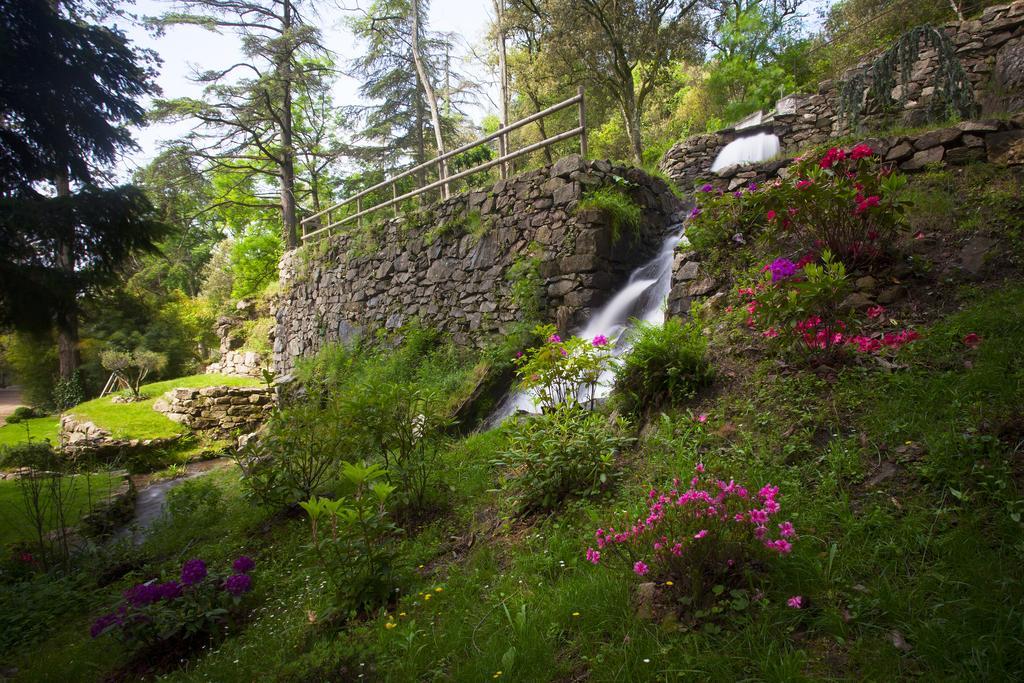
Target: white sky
column 186, row 48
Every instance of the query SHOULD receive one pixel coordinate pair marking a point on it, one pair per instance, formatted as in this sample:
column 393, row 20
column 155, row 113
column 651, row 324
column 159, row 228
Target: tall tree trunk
column 289, row 217
column 499, row 17
column 66, row 320
column 421, row 72
column 631, row 117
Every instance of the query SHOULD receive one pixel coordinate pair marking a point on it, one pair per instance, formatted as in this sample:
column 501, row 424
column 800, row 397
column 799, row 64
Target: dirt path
column 10, row 398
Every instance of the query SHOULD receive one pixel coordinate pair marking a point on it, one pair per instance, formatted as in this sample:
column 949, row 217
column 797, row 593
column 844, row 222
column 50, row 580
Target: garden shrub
column 558, row 372
column 181, row 612
column 406, row 426
column 351, row 536
column 32, row 607
column 666, row 365
column 194, row 499
column 698, row 537
column 22, row 413
column 617, row 206
column 297, row 455
column 799, row 308
column 844, row 201
column 565, row 451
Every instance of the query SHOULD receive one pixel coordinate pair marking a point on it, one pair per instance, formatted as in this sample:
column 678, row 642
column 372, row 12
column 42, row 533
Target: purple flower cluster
column 237, row 584
column 781, row 268
column 600, row 340
column 243, row 565
column 192, row 572
column 707, row 188
column 147, row 593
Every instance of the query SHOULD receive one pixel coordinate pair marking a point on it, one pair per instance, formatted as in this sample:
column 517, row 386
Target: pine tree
column 68, row 89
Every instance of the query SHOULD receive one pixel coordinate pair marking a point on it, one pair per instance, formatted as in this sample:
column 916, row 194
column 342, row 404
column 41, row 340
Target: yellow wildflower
column 390, row 624
column 438, row 589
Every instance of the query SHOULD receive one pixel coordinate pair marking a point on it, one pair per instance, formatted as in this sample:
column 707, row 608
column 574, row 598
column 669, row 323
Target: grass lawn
column 82, row 491
column 124, row 420
column 38, row 428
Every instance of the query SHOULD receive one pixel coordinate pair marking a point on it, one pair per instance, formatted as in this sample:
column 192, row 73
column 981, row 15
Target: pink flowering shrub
column 563, row 371
column 846, row 201
column 798, row 307
column 698, row 536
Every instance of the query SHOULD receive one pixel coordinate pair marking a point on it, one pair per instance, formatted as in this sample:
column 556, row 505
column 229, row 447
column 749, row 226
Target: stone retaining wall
column 218, row 411
column 990, row 49
column 451, row 269
column 234, row 361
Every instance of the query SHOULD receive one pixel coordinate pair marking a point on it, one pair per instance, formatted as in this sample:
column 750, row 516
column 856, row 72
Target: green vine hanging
column 952, row 96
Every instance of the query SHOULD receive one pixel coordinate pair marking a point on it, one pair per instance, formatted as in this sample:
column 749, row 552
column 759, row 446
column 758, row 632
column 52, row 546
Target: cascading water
column 747, row 150
column 642, row 298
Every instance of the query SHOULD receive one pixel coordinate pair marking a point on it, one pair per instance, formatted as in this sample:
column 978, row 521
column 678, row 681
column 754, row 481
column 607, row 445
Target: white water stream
column 641, row 298
column 747, row 150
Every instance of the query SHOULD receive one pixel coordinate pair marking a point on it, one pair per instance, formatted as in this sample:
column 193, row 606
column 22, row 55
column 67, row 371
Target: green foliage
column 30, row 609
column 295, row 458
column 131, row 368
column 351, row 540
column 566, row 451
column 666, row 365
column 256, row 335
column 33, row 358
column 22, row 413
column 68, row 392
column 254, row 259
column 194, row 500
column 526, row 285
column 560, row 372
column 618, row 208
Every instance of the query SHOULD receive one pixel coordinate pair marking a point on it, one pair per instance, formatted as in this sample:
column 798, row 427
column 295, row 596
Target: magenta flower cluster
column 704, row 512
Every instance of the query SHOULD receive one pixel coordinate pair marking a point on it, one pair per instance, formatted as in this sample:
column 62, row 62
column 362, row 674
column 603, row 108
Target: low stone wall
column 218, row 411
column 451, row 269
column 995, row 141
column 80, row 436
column 990, row 50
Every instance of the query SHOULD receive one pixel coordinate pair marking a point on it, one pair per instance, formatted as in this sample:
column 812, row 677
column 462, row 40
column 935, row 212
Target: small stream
column 151, row 498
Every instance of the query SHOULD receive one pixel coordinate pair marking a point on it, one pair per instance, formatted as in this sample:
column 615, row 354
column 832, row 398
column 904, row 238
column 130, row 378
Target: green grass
column 931, row 557
column 82, row 492
column 617, row 206
column 124, row 420
column 37, row 428
column 139, row 420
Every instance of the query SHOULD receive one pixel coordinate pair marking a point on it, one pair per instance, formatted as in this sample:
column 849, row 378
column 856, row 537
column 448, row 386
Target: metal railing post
column 583, row 124
column 502, row 151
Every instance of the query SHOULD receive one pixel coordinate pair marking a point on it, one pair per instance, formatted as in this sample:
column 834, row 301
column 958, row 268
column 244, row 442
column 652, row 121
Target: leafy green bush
column 617, row 206
column 24, row 413
column 297, row 456
column 406, row 427
column 566, row 451
column 194, row 499
column 667, row 364
column 351, row 539
column 68, row 393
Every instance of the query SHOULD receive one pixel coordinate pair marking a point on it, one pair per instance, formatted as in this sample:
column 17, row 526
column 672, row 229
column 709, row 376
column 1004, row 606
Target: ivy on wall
column 952, row 96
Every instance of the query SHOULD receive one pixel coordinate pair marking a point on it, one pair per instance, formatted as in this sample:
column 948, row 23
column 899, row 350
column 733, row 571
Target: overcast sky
column 187, row 48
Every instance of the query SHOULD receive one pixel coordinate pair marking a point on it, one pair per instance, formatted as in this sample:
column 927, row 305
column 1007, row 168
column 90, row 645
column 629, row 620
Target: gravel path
column 10, row 398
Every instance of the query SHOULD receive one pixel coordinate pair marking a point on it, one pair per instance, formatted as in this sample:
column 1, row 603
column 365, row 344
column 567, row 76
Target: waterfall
column 747, row 150
column 641, row 298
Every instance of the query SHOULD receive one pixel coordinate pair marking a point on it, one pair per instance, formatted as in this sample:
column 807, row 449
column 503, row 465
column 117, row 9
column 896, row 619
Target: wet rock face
column 453, row 266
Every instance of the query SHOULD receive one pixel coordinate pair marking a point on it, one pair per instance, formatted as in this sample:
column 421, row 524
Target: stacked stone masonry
column 234, row 361
column 220, row 412
column 990, row 50
column 457, row 279
column 995, row 141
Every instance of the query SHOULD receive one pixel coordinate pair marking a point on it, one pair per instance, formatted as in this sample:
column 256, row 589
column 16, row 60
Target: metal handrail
column 444, row 180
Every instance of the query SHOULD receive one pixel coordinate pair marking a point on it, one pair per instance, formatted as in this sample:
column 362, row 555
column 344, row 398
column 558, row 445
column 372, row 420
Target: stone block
column 923, row 158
